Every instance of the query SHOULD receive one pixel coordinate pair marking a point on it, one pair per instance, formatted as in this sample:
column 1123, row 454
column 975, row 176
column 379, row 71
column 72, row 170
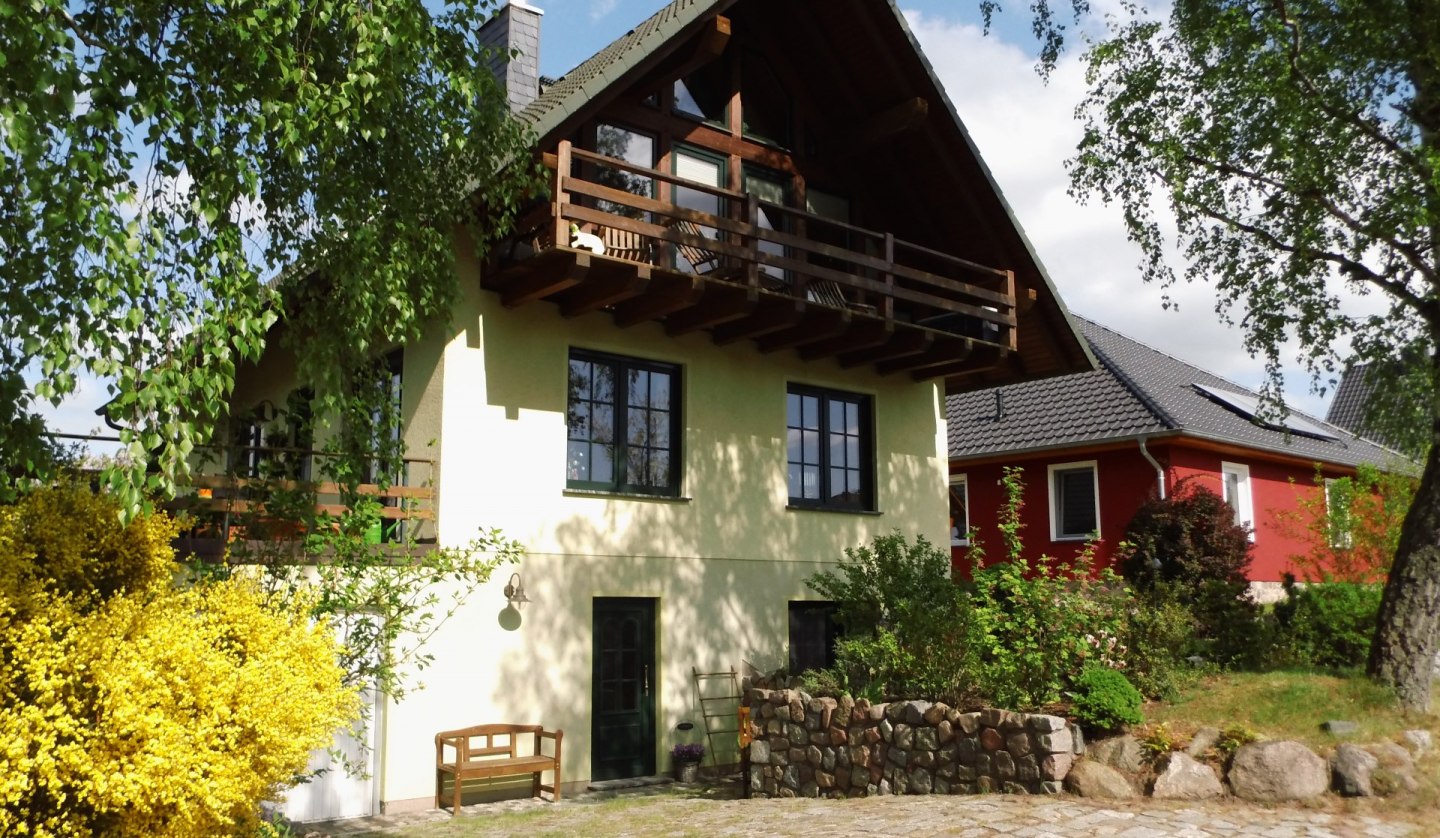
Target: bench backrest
column 476, row 743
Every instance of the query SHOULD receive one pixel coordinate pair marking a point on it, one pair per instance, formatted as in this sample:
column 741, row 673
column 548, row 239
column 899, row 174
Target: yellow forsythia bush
column 131, row 704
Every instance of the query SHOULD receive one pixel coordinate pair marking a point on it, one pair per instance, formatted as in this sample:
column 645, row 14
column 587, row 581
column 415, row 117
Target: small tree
column 1188, row 548
column 131, row 705
column 1350, row 526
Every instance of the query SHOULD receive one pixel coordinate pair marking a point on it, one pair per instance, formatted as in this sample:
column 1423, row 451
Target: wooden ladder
column 728, row 704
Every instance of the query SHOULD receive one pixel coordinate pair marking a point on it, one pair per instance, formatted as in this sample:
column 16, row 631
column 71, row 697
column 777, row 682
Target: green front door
column 622, row 741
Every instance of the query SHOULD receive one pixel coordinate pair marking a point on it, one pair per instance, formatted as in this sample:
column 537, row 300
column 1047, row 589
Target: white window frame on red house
column 960, row 530
column 1053, row 494
column 1244, row 500
column 1337, row 522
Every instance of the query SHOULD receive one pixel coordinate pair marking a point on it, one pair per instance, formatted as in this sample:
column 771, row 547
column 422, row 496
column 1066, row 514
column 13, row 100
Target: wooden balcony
column 256, row 519
column 774, row 275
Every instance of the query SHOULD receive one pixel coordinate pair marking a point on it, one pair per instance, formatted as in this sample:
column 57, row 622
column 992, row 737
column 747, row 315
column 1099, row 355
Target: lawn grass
column 1291, row 704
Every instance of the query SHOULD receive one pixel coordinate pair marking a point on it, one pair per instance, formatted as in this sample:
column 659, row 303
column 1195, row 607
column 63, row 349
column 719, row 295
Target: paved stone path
column 706, row 813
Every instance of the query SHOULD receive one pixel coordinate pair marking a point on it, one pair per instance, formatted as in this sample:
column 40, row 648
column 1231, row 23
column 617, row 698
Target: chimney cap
column 521, row 4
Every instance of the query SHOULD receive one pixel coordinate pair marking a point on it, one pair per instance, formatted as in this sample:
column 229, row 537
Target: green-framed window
column 830, row 445
column 623, row 419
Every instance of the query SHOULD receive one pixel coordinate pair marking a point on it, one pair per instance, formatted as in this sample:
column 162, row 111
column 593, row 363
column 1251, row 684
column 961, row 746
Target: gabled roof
column 1049, row 339
column 1352, row 398
column 1138, row 391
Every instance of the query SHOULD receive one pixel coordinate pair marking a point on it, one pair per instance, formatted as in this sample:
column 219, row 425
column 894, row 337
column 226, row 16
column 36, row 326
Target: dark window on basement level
column 813, row 632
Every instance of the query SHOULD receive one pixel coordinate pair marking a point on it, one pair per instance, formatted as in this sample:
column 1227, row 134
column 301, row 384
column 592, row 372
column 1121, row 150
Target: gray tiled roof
column 1137, row 391
column 1351, row 399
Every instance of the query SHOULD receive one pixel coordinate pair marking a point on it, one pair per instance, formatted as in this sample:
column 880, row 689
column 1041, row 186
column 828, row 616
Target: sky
column 1025, row 130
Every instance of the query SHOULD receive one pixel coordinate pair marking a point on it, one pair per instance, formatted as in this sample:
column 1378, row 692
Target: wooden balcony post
column 562, row 171
column 752, row 243
column 1013, row 342
column 889, row 278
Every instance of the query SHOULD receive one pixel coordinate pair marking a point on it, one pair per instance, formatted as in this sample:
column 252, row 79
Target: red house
column 1094, row 446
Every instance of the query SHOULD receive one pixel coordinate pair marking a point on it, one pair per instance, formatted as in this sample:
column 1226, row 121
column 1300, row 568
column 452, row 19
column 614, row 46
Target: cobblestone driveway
column 665, row 813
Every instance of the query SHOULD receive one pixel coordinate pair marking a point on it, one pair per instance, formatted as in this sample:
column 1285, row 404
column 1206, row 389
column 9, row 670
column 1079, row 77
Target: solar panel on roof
column 1249, row 406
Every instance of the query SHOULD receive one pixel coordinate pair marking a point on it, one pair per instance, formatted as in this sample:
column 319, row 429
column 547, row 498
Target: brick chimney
column 515, row 28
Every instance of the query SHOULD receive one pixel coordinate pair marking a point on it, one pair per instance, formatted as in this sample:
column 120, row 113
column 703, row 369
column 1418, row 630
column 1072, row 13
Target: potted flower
column 685, row 759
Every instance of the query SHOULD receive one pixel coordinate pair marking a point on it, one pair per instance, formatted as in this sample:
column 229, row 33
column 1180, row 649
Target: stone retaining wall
column 825, row 747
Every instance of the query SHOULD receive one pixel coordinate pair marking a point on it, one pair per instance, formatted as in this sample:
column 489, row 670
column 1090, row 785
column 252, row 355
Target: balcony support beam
column 910, row 342
column 779, row 315
column 863, row 336
column 819, row 324
column 547, row 280
column 621, row 282
column 712, row 310
column 663, row 297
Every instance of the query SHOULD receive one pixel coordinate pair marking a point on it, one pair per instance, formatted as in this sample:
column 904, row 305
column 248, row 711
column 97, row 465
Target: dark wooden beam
column 956, row 374
column 708, row 45
column 665, row 295
column 548, row 278
column 884, row 127
column 906, row 342
column 946, row 353
column 819, row 324
column 620, row 283
column 862, row 336
column 718, row 306
column 779, row 315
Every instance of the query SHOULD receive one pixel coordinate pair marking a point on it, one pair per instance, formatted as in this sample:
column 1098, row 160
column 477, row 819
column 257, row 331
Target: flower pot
column 687, row 771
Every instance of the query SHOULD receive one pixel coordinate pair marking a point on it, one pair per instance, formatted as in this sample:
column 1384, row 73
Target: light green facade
column 723, row 560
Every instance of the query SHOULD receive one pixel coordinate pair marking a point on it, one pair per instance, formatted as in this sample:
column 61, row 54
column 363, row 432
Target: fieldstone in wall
column 1088, row 778
column 1203, row 740
column 1183, row 778
column 1267, row 772
column 1122, row 753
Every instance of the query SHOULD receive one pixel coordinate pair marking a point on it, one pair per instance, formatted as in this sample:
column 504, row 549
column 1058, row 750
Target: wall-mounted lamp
column 515, row 591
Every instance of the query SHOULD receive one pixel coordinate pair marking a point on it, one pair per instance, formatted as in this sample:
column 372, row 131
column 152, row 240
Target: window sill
column 832, row 509
column 599, row 493
column 1072, row 539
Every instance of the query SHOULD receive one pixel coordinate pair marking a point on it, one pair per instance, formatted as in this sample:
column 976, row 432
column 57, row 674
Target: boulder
column 1351, row 769
column 1183, row 778
column 1266, row 772
column 1203, row 740
column 1396, row 771
column 1418, row 741
column 1088, row 778
column 1340, row 727
column 1120, row 752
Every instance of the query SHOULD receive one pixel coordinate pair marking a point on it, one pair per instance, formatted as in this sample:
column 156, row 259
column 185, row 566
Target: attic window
column 1248, row 406
column 704, row 93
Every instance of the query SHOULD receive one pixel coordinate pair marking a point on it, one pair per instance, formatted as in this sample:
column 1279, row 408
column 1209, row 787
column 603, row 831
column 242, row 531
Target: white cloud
column 1025, row 128
column 601, row 8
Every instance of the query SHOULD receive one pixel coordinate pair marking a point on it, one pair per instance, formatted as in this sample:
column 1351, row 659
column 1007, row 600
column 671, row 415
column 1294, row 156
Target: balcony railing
column 754, row 269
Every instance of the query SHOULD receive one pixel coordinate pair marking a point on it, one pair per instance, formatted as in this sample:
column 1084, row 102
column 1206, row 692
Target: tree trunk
column 1402, row 654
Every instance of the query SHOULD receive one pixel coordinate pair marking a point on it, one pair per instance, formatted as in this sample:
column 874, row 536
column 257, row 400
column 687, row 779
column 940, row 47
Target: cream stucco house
column 715, row 357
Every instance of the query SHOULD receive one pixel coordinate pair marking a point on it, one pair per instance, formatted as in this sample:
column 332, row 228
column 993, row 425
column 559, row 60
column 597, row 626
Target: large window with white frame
column 959, row 511
column 1339, row 499
column 1235, row 488
column 1074, row 501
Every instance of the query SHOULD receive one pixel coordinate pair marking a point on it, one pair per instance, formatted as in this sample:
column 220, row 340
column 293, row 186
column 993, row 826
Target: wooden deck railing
column 874, row 271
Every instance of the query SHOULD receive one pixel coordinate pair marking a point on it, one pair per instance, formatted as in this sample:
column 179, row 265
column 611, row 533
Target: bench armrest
column 557, row 736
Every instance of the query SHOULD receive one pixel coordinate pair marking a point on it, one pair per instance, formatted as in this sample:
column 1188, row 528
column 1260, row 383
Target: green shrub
column 906, row 624
column 1105, row 700
column 1329, row 624
column 1035, row 625
column 1190, row 544
column 1159, row 636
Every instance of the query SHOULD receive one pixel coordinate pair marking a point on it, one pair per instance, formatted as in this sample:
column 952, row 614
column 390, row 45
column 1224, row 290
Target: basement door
column 622, row 741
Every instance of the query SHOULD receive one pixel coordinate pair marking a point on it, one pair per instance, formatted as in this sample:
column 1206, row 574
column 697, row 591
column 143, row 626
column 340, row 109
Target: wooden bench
column 480, row 753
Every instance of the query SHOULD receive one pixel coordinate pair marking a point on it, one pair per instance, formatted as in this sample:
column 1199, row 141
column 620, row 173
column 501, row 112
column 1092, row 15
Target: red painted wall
column 1276, row 491
column 1127, row 480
